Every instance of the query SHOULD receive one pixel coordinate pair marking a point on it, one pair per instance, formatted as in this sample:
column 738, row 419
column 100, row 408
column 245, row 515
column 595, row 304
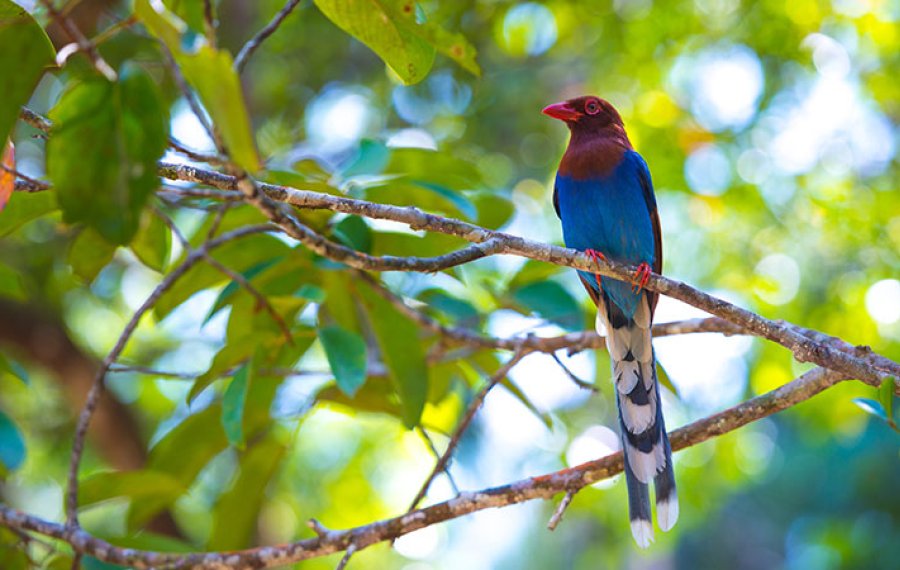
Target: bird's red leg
column 595, row 256
column 641, row 276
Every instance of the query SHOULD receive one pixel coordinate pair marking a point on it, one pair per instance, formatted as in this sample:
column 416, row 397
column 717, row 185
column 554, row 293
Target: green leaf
column 397, row 243
column 130, row 484
column 441, row 168
column 375, row 396
column 89, row 254
column 11, row 283
column 532, row 271
column 13, row 368
column 550, row 301
column 191, row 11
column 107, row 182
column 355, row 233
column 339, row 303
column 26, row 52
column 370, row 158
column 886, row 396
column 12, row 445
column 387, row 27
column 493, row 211
column 237, row 510
column 311, row 292
column 346, row 352
column 396, row 30
column 461, row 312
column 153, row 242
column 401, row 351
column 181, row 453
column 453, row 45
column 26, row 207
column 233, row 406
column 211, row 73
column 664, row 379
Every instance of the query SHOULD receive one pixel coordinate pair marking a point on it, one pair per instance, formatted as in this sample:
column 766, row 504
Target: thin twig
column 217, row 220
column 189, row 97
column 114, row 29
column 84, row 45
column 437, row 455
column 193, row 154
column 253, row 43
column 25, row 182
column 560, row 510
column 209, row 25
column 473, row 407
column 578, row 381
column 351, row 550
column 261, row 300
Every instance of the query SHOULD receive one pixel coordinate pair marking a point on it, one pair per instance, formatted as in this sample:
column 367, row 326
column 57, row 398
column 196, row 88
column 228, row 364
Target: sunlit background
column 771, row 132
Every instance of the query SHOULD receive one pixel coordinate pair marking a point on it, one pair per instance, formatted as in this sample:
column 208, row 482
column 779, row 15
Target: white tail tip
column 642, row 531
column 667, row 512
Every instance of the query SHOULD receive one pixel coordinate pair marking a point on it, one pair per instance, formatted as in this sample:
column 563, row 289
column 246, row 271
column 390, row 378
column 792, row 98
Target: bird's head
column 585, row 114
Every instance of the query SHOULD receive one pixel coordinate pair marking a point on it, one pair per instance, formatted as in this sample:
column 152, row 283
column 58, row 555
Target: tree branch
column 82, row 43
column 253, row 43
column 443, row 461
column 331, row 541
column 804, row 348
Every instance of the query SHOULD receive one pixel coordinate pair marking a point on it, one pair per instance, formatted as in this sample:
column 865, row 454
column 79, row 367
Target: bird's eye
column 592, row 107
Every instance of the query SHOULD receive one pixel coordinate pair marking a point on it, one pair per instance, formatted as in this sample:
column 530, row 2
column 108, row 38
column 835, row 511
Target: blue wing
column 616, row 215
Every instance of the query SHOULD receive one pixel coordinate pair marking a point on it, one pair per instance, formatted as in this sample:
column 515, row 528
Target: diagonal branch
column 443, row 461
column 253, row 43
column 82, row 43
column 331, row 541
column 803, row 347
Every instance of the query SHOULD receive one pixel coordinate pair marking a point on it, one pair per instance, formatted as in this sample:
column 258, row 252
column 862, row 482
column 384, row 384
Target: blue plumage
column 610, row 214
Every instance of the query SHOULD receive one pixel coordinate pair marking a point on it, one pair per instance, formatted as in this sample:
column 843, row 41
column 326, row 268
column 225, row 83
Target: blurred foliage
column 771, row 132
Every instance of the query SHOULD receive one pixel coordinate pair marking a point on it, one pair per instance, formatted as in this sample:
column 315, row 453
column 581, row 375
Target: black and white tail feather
column 645, row 444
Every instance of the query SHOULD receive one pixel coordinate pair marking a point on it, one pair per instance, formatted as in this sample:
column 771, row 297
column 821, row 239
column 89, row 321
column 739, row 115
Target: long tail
column 645, row 444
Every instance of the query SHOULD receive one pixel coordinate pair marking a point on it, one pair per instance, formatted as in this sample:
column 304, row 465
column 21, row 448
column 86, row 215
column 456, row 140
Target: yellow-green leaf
column 402, row 353
column 211, row 73
column 26, row 52
column 387, row 27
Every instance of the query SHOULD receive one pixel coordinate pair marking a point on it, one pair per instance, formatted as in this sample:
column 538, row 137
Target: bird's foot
column 596, row 257
column 641, row 276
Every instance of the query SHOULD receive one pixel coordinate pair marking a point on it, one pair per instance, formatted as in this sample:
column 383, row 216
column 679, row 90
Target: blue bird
column 604, row 197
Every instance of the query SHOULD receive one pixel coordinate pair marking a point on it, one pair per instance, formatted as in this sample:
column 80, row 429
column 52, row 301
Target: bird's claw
column 596, row 257
column 641, row 276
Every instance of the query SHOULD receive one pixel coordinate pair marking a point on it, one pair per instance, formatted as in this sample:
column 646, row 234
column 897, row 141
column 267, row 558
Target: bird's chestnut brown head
column 587, row 113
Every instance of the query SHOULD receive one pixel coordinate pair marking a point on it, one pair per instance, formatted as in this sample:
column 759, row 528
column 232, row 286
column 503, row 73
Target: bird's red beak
column 561, row 111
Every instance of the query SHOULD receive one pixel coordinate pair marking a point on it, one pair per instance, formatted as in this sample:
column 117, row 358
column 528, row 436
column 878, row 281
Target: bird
column 603, row 195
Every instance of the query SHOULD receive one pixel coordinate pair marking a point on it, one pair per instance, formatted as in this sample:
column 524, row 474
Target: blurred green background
column 771, row 133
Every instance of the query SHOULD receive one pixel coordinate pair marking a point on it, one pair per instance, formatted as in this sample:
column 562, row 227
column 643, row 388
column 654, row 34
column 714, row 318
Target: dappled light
column 308, row 257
